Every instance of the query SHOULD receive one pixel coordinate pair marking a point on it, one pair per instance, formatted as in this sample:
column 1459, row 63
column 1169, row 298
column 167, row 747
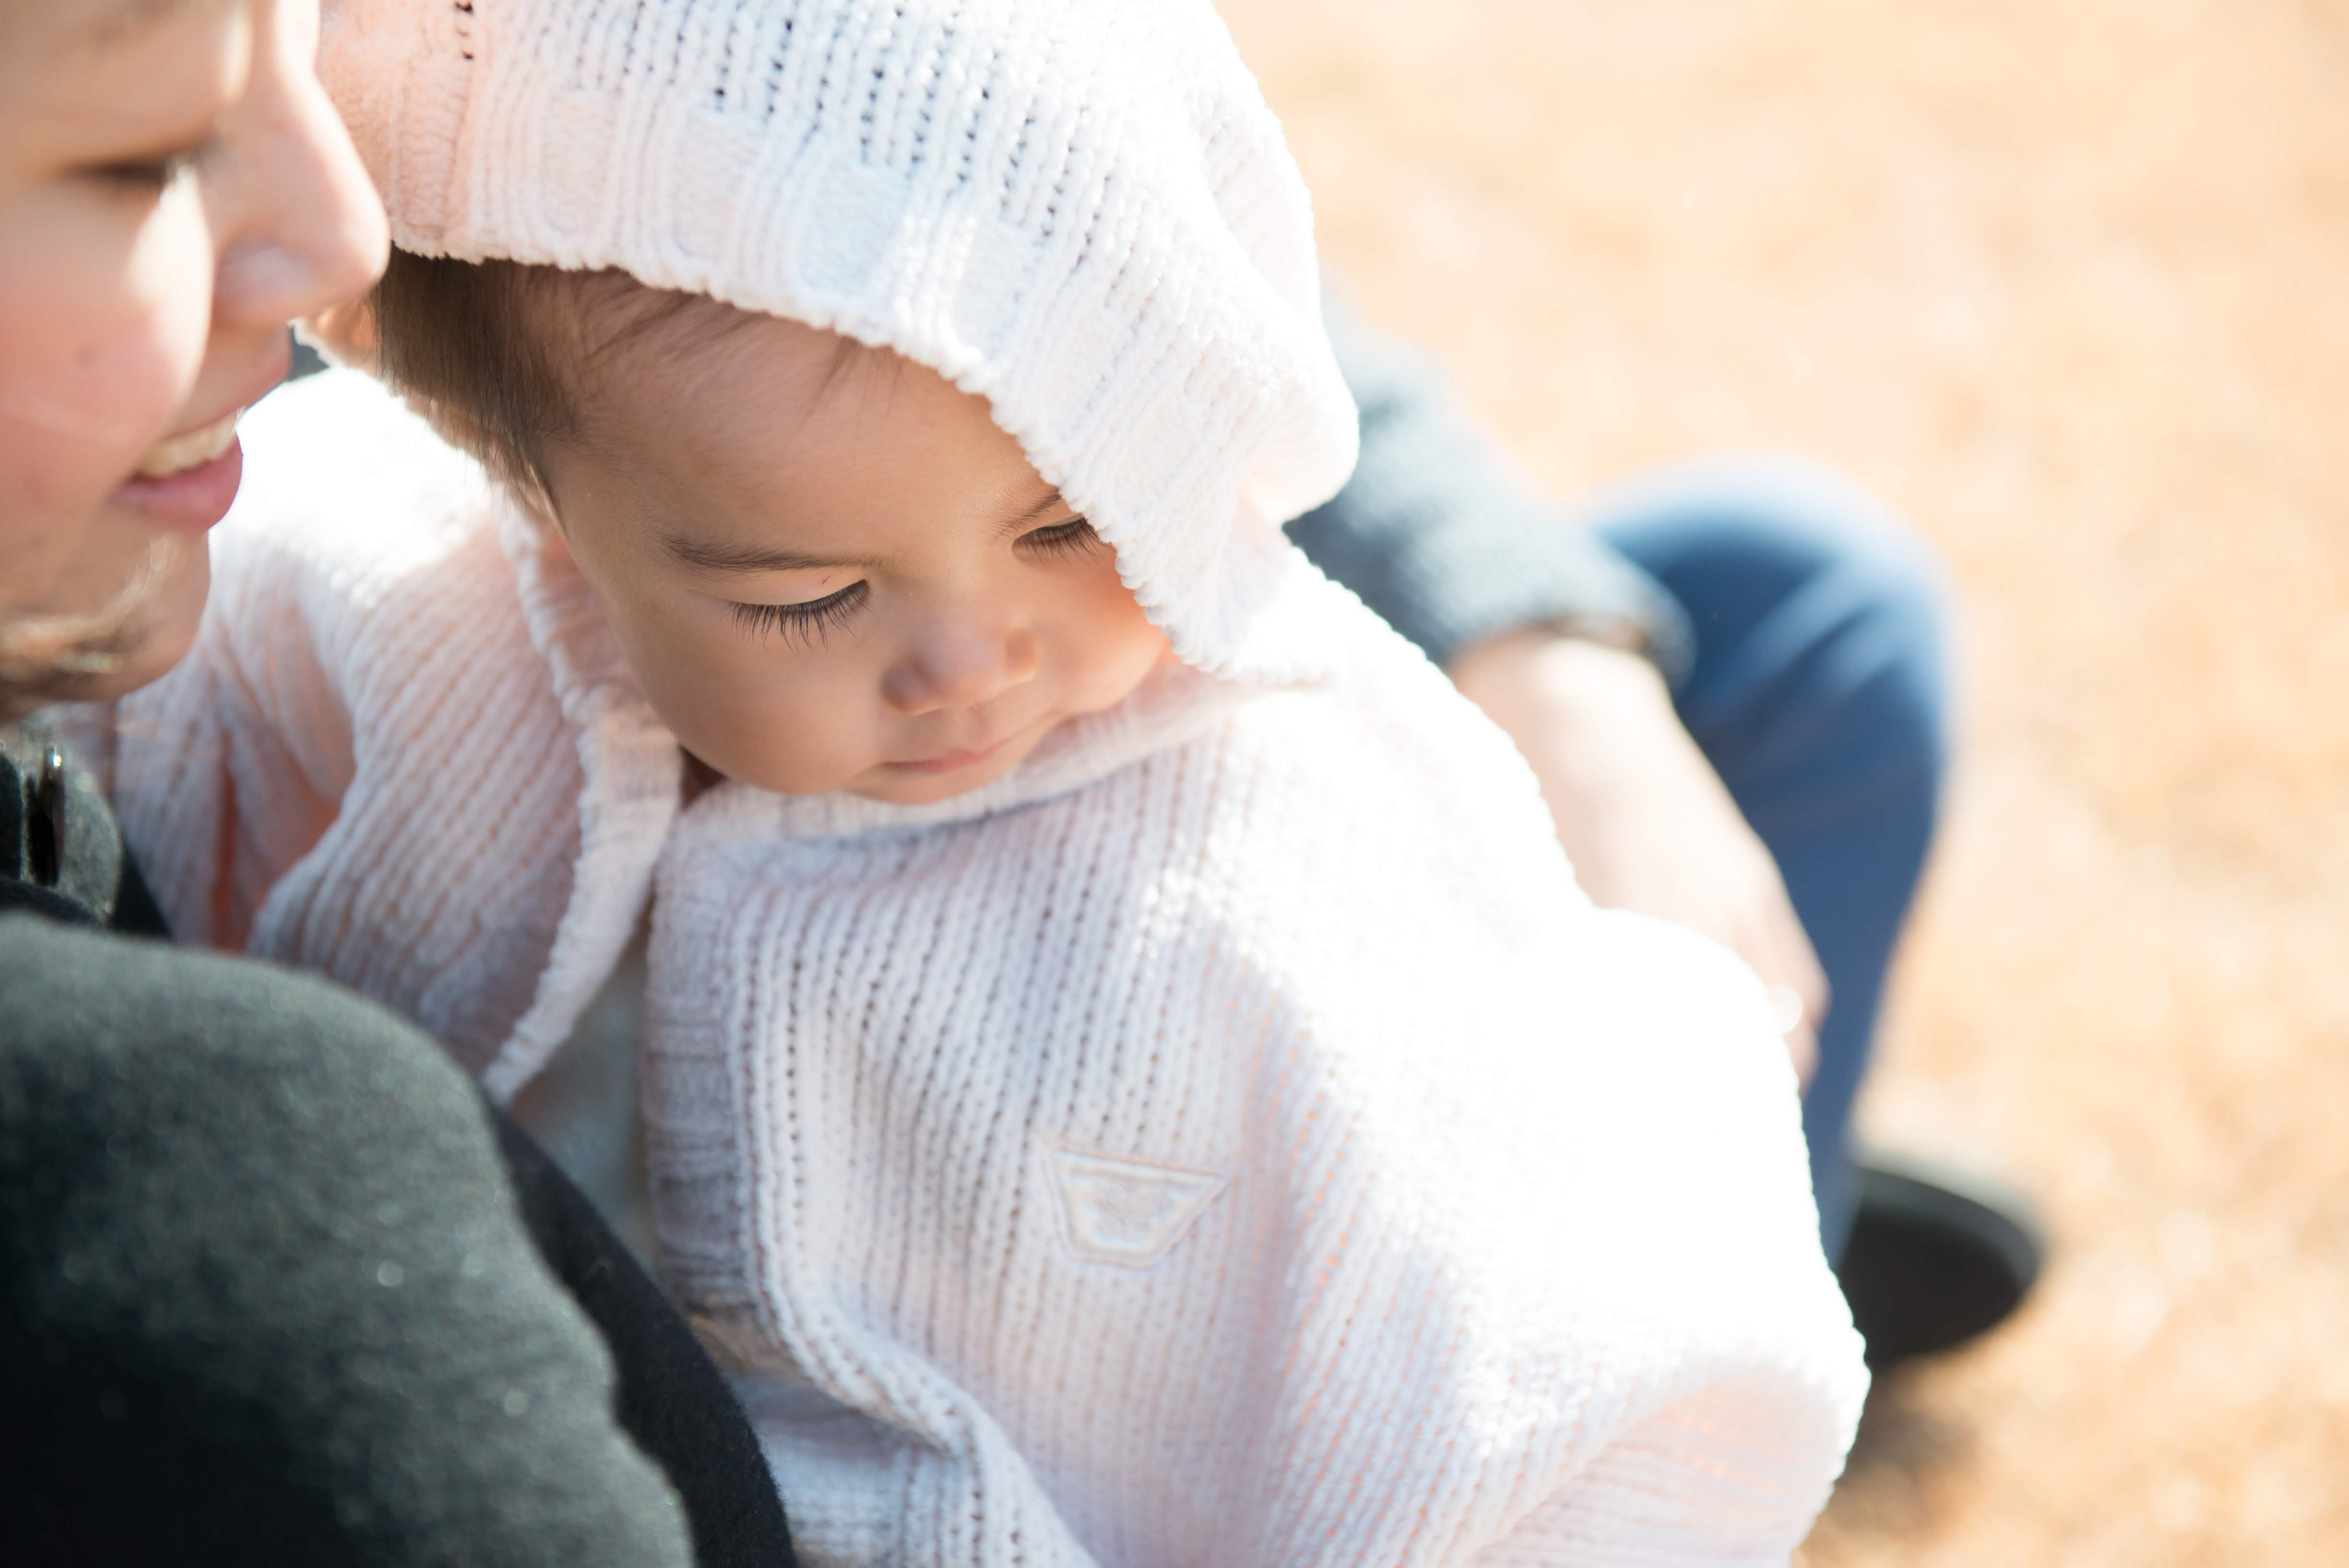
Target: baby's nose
column 961, row 668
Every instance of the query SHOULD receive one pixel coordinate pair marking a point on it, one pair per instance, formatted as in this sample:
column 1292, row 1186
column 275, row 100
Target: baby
column 1129, row 1078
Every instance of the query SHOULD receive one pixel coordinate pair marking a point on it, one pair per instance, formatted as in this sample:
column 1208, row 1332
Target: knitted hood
column 1081, row 210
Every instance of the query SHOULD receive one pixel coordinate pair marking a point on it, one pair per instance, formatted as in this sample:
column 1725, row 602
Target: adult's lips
column 188, row 481
column 179, row 454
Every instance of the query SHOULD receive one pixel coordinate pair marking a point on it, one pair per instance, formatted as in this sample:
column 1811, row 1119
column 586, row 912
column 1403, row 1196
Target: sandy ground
column 2068, row 284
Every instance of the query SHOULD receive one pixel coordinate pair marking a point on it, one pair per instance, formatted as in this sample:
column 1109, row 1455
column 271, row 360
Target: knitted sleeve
column 364, row 725
column 232, row 768
column 1442, row 541
column 228, row 769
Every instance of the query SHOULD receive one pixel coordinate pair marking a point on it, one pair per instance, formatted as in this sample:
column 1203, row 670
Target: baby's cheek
column 788, row 729
column 1127, row 646
column 687, row 693
column 803, row 748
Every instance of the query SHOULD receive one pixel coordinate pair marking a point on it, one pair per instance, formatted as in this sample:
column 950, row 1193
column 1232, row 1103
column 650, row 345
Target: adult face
column 175, row 188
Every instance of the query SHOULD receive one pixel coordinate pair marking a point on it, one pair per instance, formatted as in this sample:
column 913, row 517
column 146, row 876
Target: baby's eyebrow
column 712, row 556
column 716, row 557
column 1051, row 499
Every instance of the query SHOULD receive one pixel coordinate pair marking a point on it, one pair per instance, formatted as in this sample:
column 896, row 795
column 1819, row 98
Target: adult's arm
column 264, row 1292
column 1568, row 647
column 1451, row 549
column 672, row 1401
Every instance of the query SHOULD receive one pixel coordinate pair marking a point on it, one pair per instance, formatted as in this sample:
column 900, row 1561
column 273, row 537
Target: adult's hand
column 1646, row 823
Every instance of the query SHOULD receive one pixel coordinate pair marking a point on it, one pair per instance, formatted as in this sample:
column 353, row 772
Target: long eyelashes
column 1074, row 537
column 804, row 623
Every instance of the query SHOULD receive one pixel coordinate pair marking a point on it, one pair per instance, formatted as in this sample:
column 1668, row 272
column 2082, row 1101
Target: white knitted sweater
column 1229, row 1138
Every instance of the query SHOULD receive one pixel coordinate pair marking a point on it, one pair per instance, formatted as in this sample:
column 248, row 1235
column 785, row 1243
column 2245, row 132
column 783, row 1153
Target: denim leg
column 1819, row 690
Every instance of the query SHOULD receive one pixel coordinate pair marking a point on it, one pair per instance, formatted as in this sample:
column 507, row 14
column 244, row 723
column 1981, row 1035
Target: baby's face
column 837, row 573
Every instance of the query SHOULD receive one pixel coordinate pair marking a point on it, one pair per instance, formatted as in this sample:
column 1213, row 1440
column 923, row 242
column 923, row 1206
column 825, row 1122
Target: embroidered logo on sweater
column 1124, row 1212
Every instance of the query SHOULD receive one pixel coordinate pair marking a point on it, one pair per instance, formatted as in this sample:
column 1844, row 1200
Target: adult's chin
column 162, row 629
column 126, row 643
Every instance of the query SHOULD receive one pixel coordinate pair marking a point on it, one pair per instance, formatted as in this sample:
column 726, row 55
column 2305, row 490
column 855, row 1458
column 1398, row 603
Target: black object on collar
column 58, row 839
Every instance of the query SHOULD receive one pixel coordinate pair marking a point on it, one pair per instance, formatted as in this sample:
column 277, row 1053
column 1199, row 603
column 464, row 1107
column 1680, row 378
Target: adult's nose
column 300, row 223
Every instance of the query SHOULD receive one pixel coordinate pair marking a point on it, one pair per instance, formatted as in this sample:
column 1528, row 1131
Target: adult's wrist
column 1536, row 673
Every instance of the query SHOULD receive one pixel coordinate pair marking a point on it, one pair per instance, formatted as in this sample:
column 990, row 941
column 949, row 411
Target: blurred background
column 2068, row 284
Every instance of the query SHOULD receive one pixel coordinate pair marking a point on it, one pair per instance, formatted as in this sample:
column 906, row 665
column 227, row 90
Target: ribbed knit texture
column 1079, row 209
column 268, row 774
column 1231, row 1139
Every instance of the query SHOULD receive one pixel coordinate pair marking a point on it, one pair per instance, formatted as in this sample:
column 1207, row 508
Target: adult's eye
column 150, row 176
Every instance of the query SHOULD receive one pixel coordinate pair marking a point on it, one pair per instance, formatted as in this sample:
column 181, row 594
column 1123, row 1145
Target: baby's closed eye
column 1074, row 537
column 807, row 622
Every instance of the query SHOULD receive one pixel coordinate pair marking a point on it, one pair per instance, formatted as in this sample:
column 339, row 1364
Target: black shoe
column 1933, row 1260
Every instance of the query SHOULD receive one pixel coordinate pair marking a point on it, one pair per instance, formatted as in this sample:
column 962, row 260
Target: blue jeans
column 1819, row 689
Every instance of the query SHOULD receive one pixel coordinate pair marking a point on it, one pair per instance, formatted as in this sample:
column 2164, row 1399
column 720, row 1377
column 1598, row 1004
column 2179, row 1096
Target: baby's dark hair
column 465, row 340
column 493, row 350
